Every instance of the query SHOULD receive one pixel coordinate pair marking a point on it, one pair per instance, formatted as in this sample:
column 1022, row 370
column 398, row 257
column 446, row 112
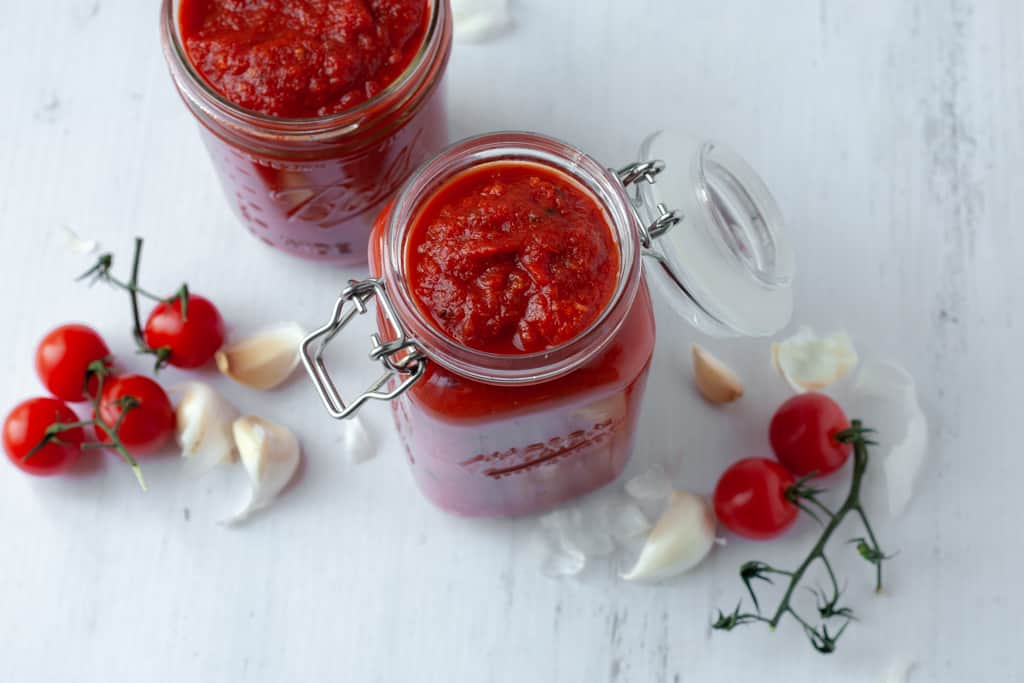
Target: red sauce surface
column 301, row 58
column 512, row 257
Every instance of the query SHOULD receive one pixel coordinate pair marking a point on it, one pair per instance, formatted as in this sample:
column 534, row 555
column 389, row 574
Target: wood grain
column 890, row 132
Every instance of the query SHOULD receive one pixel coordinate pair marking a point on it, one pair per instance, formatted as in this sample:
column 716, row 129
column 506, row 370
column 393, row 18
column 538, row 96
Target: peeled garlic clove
column 204, row 419
column 716, row 382
column 811, row 363
column 264, row 360
column 270, row 454
column 682, row 537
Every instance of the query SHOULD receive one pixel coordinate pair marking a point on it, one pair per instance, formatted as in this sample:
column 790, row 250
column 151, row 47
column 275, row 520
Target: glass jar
column 312, row 187
column 502, row 435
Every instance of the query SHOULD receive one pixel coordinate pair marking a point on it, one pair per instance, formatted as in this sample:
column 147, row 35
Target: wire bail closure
column 667, row 218
column 399, row 356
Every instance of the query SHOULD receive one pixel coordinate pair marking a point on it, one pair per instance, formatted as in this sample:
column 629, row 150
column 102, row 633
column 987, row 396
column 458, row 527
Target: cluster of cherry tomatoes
column 755, row 497
column 130, row 413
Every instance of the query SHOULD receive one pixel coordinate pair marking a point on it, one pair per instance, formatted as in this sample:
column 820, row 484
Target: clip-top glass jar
column 503, row 434
column 313, row 186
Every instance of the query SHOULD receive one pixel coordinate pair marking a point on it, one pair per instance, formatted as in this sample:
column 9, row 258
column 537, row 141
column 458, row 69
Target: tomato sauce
column 482, row 449
column 512, row 257
column 301, row 58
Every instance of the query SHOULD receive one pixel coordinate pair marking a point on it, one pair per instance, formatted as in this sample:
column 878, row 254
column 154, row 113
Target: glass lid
column 715, row 234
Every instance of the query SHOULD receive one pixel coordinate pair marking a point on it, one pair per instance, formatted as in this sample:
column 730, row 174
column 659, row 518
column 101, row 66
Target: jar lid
column 715, row 233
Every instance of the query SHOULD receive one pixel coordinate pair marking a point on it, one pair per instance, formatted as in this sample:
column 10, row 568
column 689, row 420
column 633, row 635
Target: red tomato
column 803, row 435
column 148, row 426
column 750, row 499
column 63, row 357
column 193, row 339
column 25, row 428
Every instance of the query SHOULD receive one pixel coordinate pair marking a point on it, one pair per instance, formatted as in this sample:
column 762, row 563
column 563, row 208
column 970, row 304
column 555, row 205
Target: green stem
column 852, row 503
column 118, row 446
column 101, row 271
column 99, row 370
column 831, row 576
column 818, row 504
column 874, row 542
column 113, row 432
column 128, row 287
column 798, row 494
column 133, row 286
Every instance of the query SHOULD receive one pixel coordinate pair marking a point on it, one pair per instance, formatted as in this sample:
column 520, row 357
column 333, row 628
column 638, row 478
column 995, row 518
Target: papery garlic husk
column 680, row 540
column 270, row 454
column 651, row 484
column 77, row 245
column 204, row 420
column 476, row 21
column 811, row 363
column 885, row 398
column 715, row 381
column 264, row 360
column 356, row 441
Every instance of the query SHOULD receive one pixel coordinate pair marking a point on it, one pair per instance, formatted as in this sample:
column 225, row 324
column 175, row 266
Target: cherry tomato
column 63, row 357
column 750, row 499
column 192, row 339
column 25, row 428
column 803, row 435
column 146, row 427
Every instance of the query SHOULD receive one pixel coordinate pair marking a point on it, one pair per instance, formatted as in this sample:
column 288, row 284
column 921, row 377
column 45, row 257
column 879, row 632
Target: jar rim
column 527, row 368
column 214, row 103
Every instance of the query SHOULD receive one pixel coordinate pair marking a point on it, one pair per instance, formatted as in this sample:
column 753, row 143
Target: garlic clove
column 270, row 454
column 811, row 363
column 715, row 381
column 885, row 398
column 682, row 537
column 264, row 360
column 204, row 420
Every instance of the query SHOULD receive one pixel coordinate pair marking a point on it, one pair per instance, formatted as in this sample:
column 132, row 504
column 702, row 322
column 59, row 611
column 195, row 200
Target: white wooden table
column 891, row 133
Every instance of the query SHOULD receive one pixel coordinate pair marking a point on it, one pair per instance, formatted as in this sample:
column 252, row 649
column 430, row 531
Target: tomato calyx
column 827, row 599
column 99, row 370
column 101, row 272
column 804, row 496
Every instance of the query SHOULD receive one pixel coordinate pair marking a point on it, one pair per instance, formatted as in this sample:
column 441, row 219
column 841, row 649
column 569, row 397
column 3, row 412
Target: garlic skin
column 356, row 441
column 811, row 363
column 885, row 397
column 270, row 454
column 77, row 245
column 715, row 381
column 682, row 537
column 264, row 360
column 204, row 420
column 651, row 484
column 477, row 21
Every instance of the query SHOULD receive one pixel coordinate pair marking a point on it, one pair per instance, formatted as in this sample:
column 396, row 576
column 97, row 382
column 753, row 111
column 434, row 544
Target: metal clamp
column 667, row 218
column 399, row 356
